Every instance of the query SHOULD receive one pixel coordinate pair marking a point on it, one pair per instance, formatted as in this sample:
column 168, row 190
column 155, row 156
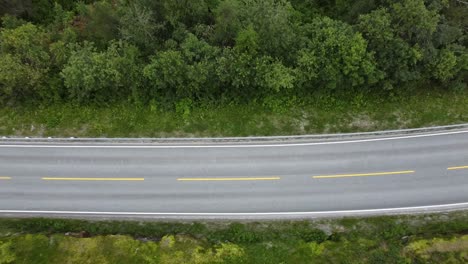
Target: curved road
column 364, row 175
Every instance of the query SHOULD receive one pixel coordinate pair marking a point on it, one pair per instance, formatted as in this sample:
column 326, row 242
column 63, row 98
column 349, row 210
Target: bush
column 93, row 76
column 314, row 235
column 24, row 63
column 335, row 57
column 237, row 233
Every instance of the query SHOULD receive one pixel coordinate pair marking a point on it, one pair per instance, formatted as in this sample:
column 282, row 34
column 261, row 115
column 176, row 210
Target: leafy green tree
column 187, row 12
column 413, row 21
column 18, row 81
column 247, row 41
column 412, row 42
column 274, row 77
column 334, row 56
column 269, row 75
column 344, row 10
column 12, row 22
column 25, row 62
column 228, row 22
column 93, row 76
column 42, row 11
column 100, row 23
column 28, row 42
column 186, row 51
column 444, row 67
column 166, row 73
column 61, row 26
column 395, row 57
column 184, row 73
column 271, row 19
column 37, row 11
column 245, row 77
column 137, row 26
column 196, row 50
column 236, row 74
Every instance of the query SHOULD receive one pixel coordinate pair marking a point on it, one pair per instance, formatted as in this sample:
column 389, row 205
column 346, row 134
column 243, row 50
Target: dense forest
column 180, row 52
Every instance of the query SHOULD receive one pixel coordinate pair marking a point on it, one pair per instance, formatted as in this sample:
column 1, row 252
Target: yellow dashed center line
column 457, row 168
column 91, row 179
column 5, row 178
column 363, row 174
column 231, row 179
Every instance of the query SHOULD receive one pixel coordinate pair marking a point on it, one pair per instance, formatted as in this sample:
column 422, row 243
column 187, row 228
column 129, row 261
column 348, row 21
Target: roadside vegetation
column 436, row 238
column 324, row 115
column 230, row 67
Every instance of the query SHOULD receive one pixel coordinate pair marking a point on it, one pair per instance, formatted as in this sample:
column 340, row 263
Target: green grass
column 274, row 116
column 434, row 238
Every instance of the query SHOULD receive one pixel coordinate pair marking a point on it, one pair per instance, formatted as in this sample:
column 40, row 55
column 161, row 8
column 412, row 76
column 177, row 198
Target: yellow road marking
column 457, row 168
column 363, row 174
column 5, row 178
column 91, row 179
column 230, row 179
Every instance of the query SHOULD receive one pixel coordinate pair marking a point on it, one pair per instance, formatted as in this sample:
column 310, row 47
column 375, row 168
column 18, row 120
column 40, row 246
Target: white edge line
column 232, row 146
column 396, row 209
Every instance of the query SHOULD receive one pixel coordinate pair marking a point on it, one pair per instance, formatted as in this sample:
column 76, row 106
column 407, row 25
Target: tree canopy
column 238, row 50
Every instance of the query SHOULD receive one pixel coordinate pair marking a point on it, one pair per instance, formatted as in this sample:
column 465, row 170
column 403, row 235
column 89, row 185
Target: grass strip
column 430, row 238
column 285, row 116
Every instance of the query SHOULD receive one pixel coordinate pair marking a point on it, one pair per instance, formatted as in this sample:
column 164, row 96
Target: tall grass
column 273, row 116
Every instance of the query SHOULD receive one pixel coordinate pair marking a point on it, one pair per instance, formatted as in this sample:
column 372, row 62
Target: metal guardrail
column 8, row 139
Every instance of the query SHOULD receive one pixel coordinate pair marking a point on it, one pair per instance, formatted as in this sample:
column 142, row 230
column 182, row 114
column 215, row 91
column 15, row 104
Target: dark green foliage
column 100, row 23
column 313, row 235
column 90, row 75
column 24, row 62
column 186, row 12
column 138, row 26
column 228, row 22
column 338, row 9
column 186, row 72
column 181, row 53
column 335, row 57
column 412, row 44
column 247, row 77
column 238, row 233
column 21, row 8
column 12, row 22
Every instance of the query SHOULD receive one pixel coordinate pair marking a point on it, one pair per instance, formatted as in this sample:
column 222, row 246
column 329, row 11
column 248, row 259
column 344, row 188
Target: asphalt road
column 417, row 172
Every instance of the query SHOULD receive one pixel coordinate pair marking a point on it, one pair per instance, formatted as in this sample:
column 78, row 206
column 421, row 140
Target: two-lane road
column 236, row 180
